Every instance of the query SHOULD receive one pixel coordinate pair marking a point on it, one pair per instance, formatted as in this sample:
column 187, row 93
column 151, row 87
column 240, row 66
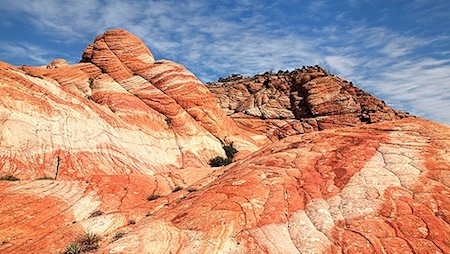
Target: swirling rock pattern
column 380, row 188
column 311, row 95
column 128, row 138
column 117, row 112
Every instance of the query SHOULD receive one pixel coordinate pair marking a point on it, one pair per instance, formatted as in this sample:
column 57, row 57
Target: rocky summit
column 311, row 95
column 111, row 155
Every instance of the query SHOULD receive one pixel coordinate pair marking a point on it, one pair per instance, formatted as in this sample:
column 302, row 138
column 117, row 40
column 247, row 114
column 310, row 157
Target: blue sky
column 398, row 50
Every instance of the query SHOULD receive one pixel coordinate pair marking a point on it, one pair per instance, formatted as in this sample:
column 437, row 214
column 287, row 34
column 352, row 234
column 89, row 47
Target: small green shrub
column 73, row 248
column 153, row 197
column 219, row 161
column 168, row 121
column 89, row 241
column 230, row 151
column 131, row 222
column 9, row 178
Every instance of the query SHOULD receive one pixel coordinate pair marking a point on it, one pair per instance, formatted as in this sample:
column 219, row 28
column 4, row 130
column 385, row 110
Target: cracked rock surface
column 317, row 100
column 128, row 139
column 381, row 188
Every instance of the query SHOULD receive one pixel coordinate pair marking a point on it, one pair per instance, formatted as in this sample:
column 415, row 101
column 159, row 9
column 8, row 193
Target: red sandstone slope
column 381, row 188
column 130, row 138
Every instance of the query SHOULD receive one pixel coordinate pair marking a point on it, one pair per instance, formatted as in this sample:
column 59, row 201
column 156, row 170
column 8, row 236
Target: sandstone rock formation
column 57, row 63
column 117, row 112
column 128, row 139
column 112, row 130
column 381, row 188
column 310, row 94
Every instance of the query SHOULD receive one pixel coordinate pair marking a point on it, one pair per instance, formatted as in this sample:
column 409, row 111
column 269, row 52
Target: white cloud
column 316, row 6
column 24, row 50
column 346, row 66
column 398, row 48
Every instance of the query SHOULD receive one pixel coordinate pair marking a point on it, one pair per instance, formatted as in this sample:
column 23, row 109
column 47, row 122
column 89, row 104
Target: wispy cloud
column 217, row 38
column 345, row 65
column 400, row 46
column 389, row 66
column 24, row 50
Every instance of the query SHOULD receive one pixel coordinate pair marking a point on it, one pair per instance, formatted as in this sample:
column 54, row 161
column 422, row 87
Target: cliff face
column 128, row 139
column 310, row 95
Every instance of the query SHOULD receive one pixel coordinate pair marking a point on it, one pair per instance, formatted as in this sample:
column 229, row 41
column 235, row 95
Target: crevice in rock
column 57, row 166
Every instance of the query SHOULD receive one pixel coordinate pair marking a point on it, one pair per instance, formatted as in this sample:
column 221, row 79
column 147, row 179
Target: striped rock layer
column 117, row 112
column 123, row 142
column 299, row 101
column 381, row 188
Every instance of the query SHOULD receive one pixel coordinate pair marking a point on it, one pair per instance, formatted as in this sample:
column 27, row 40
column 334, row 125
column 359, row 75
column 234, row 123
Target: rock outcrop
column 317, row 99
column 113, row 130
column 117, row 112
column 57, row 63
column 118, row 146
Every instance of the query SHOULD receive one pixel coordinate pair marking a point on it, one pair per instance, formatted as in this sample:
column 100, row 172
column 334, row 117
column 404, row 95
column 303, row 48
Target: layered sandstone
column 311, row 95
column 117, row 112
column 113, row 130
column 123, row 141
column 381, row 188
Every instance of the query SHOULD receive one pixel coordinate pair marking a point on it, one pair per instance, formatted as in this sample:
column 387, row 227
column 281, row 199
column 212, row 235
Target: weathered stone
column 57, row 63
column 334, row 191
column 310, row 94
column 128, row 139
column 118, row 112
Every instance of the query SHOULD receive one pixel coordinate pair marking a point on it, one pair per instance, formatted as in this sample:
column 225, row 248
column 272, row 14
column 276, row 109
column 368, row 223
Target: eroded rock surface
column 381, row 188
column 117, row 112
column 57, row 63
column 115, row 130
column 128, row 139
column 311, row 95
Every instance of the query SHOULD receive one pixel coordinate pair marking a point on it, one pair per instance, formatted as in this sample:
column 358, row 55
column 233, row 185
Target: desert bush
column 230, row 151
column 168, row 121
column 73, row 248
column 96, row 213
column 219, row 161
column 177, row 188
column 9, row 178
column 89, row 241
column 117, row 236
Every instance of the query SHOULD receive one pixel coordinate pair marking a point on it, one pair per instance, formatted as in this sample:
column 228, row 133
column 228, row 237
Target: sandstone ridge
column 118, row 146
column 116, row 112
column 299, row 101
